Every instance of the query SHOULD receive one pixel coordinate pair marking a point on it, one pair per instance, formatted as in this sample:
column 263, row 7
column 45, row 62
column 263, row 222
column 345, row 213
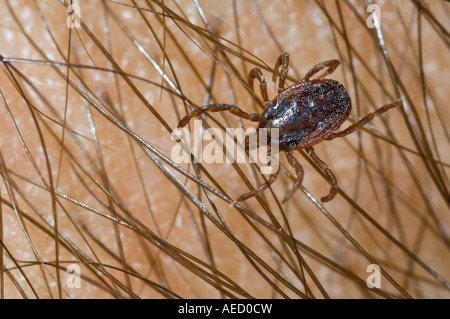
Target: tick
column 305, row 113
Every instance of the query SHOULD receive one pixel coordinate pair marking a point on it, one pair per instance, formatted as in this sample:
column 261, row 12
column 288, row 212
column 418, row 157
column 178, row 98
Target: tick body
column 305, row 114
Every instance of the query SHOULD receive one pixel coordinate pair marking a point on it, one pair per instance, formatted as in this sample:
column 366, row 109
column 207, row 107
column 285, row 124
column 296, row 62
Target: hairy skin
column 385, row 179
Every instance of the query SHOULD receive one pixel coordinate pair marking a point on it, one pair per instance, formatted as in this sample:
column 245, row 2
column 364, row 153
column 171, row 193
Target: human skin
column 132, row 219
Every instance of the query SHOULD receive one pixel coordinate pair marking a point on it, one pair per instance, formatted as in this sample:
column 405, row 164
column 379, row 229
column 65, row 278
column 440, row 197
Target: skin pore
column 88, row 178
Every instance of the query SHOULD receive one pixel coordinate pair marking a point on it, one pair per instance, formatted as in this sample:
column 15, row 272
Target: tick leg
column 328, row 173
column 366, row 119
column 261, row 188
column 298, row 171
column 257, row 74
column 281, row 68
column 254, row 117
column 331, row 65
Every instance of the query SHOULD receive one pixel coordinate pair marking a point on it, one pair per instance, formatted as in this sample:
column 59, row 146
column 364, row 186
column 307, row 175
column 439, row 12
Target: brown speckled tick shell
column 306, row 113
